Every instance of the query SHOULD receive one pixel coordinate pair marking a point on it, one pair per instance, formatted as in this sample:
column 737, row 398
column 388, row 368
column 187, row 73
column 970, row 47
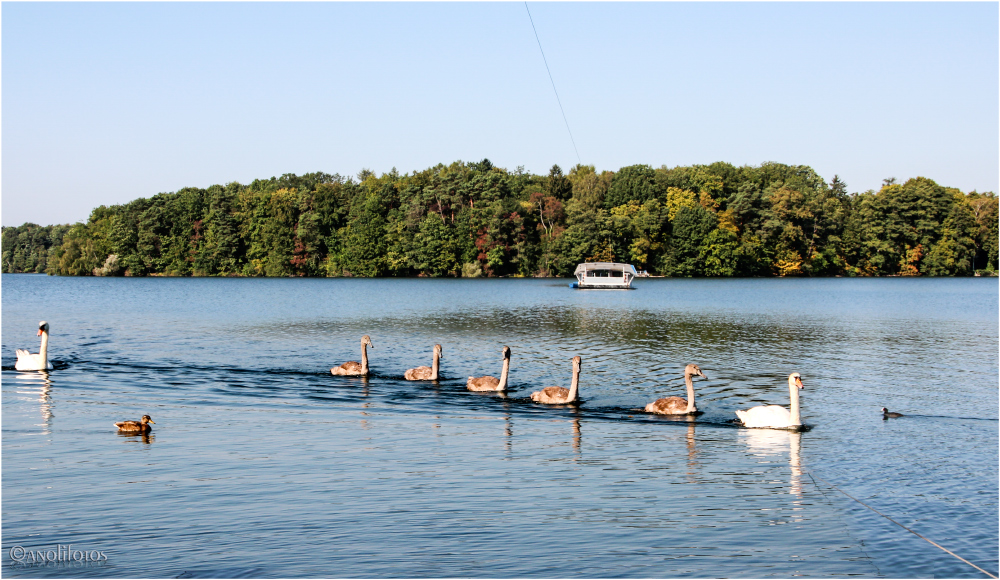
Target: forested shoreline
column 473, row 219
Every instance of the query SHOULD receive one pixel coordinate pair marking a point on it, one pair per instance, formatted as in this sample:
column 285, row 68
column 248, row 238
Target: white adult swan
column 352, row 368
column 559, row 395
column 35, row 362
column 489, row 383
column 677, row 405
column 776, row 416
column 426, row 373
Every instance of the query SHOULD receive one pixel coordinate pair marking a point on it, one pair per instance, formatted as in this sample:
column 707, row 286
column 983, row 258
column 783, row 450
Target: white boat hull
column 604, row 276
column 580, row 286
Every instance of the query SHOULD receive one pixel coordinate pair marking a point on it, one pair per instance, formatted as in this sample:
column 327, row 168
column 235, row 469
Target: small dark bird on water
column 886, row 413
column 136, row 426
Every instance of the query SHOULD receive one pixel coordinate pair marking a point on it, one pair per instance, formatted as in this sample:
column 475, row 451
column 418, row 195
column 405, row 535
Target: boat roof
column 587, row 266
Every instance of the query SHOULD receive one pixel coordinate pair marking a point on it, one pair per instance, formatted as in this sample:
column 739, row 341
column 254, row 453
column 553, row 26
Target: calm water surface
column 262, row 464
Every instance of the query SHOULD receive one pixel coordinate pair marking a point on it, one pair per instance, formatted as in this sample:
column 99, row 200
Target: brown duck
column 136, row 426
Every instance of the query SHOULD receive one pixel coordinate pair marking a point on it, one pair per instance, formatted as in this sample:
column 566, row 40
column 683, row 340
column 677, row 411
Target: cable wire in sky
column 553, row 84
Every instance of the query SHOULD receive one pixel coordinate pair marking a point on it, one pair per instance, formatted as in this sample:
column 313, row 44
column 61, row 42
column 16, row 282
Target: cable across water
column 933, row 543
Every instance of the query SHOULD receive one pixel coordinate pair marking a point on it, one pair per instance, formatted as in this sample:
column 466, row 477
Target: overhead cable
column 553, row 84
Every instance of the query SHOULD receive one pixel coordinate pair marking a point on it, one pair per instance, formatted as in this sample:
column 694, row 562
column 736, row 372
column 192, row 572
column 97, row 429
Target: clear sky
column 103, row 103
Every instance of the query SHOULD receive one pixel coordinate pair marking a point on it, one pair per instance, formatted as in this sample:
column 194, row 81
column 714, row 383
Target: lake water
column 262, row 464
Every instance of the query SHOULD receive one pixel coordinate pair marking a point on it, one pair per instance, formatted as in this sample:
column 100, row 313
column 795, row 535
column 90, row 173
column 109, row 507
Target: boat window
column 604, row 274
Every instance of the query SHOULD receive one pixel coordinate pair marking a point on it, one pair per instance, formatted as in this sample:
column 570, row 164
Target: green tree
column 557, row 185
column 635, row 182
column 268, row 230
column 223, row 252
column 691, row 228
column 78, row 255
column 364, row 247
column 984, row 208
column 954, row 252
column 434, row 247
column 26, row 248
column 719, row 253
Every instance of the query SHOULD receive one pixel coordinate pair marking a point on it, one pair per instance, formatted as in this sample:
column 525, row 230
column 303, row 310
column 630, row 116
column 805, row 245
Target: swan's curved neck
column 43, row 350
column 503, row 375
column 574, row 386
column 690, row 386
column 793, row 392
column 435, row 365
column 364, row 358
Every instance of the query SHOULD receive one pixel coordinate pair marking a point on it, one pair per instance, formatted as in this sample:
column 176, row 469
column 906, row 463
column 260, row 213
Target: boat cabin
column 610, row 275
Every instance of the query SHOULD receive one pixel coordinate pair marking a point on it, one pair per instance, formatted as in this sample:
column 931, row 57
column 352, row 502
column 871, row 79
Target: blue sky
column 107, row 102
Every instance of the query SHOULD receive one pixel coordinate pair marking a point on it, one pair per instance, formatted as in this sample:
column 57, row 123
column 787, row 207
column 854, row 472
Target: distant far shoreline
column 984, row 274
column 473, row 220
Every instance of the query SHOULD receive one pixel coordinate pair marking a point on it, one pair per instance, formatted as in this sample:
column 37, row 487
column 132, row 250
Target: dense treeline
column 474, row 219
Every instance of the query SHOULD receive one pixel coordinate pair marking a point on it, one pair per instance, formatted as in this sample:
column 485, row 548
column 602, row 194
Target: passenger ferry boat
column 607, row 275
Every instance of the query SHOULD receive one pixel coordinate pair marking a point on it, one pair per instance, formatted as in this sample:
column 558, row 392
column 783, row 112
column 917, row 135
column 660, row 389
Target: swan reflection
column 774, row 442
column 366, row 404
column 508, row 433
column 691, row 443
column 577, row 436
column 692, row 452
column 40, row 381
